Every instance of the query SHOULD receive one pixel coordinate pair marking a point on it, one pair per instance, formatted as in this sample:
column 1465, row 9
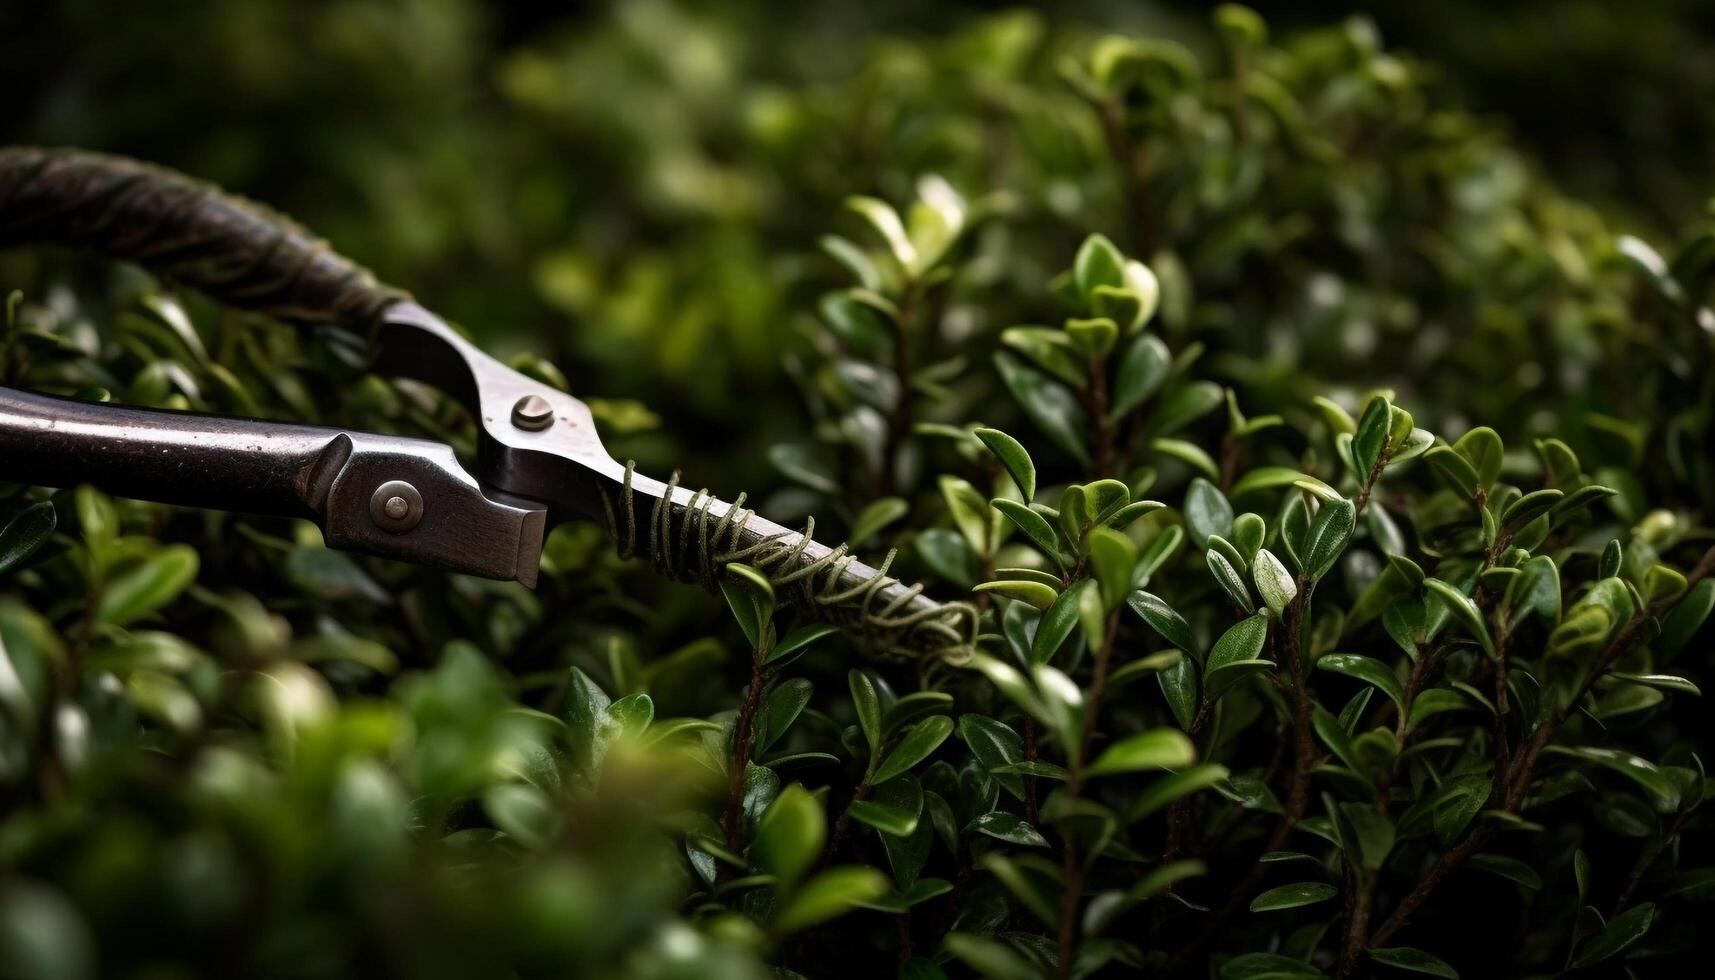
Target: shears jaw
column 534, row 442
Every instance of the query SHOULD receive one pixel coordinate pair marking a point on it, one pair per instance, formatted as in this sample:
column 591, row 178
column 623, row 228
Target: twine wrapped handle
column 237, row 251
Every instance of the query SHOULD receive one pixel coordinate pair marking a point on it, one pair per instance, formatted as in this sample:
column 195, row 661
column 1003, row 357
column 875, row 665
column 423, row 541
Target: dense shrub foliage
column 1336, row 494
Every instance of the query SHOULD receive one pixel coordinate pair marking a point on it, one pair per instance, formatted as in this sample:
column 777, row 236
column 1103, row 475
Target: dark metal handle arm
column 342, row 480
column 235, row 250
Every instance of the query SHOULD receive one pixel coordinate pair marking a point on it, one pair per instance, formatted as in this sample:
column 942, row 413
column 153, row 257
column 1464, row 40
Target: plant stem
column 1073, row 869
column 741, row 744
column 1357, row 921
column 899, row 422
column 1096, row 404
column 1134, row 168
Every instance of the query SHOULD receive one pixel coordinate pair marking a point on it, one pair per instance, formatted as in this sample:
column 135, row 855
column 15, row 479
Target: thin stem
column 1071, row 867
column 741, row 745
column 1134, row 168
column 1096, row 403
column 899, row 422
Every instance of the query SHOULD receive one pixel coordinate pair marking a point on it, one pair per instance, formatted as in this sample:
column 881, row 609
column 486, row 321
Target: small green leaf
column 1158, row 748
column 1616, row 937
column 1454, row 468
column 1370, row 440
column 1207, row 512
column 1098, row 263
column 1057, row 623
column 1032, row 593
column 830, row 894
column 789, row 838
column 751, row 598
column 1049, row 405
column 877, row 515
column 1559, row 462
column 1482, row 448
column 780, row 708
column 970, row 513
column 868, row 706
column 1179, row 686
column 1663, row 790
column 1265, row 478
column 1510, row 868
column 26, row 532
column 1004, row 826
column 1186, row 404
column 1464, row 610
column 1327, row 536
column 1293, row 896
column 1528, row 508
column 158, row 580
column 1095, row 336
column 1228, row 578
column 1367, row 669
column 1269, row 966
column 1414, row 961
column 885, row 220
column 800, row 639
column 1112, row 558
column 1171, row 787
column 1274, row 583
column 919, row 742
column 994, row 744
column 893, row 809
column 1013, row 457
column 1163, row 619
column 1236, row 654
column 1033, row 524
column 1143, row 366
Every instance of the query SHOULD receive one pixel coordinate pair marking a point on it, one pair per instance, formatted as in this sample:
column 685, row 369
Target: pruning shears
column 539, row 459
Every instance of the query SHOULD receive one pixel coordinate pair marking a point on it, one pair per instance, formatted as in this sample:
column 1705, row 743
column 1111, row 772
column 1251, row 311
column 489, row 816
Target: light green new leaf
column 885, row 220
column 1482, row 449
column 1032, row 593
column 830, row 894
column 789, row 838
column 1158, row 748
column 1013, row 457
column 1274, row 583
column 1098, row 263
column 158, row 580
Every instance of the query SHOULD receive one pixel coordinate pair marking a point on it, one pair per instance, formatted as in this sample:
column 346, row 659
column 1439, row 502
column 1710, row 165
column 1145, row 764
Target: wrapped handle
column 234, row 250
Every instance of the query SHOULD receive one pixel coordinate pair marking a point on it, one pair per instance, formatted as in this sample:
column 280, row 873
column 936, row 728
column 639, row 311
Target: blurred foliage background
column 1430, row 196
column 635, row 189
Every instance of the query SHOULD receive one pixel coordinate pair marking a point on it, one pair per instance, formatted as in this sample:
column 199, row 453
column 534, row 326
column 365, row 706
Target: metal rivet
column 396, row 506
column 532, row 413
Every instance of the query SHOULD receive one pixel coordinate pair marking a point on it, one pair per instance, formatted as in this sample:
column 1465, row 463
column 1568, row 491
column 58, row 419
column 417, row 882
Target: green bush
column 1341, row 536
